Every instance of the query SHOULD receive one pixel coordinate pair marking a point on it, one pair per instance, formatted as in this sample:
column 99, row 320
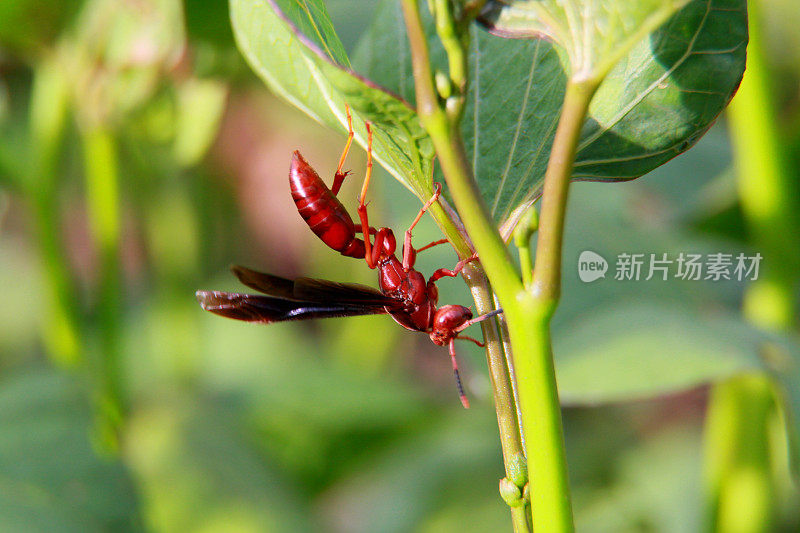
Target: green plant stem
column 505, row 404
column 525, row 229
column 62, row 324
column 739, row 482
column 504, row 399
column 527, row 314
column 546, row 285
column 528, row 322
column 102, row 183
column 450, row 151
column 498, row 369
column 443, row 129
column 767, row 189
column 535, row 373
column 449, row 34
column 738, row 463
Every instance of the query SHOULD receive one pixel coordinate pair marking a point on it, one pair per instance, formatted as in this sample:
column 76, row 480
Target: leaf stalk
column 527, row 313
column 441, row 120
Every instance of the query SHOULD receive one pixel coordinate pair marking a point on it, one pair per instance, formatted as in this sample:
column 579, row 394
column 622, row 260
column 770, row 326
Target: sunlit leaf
column 293, row 48
column 594, row 33
column 656, row 101
column 200, row 107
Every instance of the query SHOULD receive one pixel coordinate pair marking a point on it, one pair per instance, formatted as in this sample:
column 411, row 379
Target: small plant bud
column 443, row 85
column 511, row 493
column 518, row 470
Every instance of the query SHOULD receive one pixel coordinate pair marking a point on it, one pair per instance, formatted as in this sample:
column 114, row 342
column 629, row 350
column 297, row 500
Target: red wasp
column 404, row 294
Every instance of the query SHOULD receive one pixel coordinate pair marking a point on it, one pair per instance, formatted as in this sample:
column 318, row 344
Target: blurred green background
column 139, row 157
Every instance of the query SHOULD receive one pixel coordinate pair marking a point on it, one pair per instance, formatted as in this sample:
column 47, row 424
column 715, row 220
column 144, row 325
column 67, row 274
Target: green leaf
column 51, row 478
column 200, row 470
column 292, row 46
column 786, row 370
column 27, row 27
column 655, row 486
column 200, row 107
column 626, row 352
column 441, row 461
column 619, row 340
column 655, row 103
column 594, row 33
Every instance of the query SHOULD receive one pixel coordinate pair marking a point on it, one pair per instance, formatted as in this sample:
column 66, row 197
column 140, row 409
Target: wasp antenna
column 461, row 395
column 481, row 318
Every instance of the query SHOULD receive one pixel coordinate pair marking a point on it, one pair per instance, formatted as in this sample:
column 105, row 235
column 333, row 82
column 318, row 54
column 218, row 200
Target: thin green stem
column 504, row 400
column 738, row 463
column 538, row 391
column 505, row 404
column 739, row 482
column 527, row 314
column 547, row 270
column 443, row 129
column 102, row 183
column 453, row 41
column 62, row 324
column 450, row 151
column 525, row 229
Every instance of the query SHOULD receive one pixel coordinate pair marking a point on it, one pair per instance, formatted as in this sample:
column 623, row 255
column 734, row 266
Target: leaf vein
column 636, row 101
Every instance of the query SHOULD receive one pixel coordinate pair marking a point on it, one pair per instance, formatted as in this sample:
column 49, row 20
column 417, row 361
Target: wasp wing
column 268, row 309
column 314, row 290
column 266, row 283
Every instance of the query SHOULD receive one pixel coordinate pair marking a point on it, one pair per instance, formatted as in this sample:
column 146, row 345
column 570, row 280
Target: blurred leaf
column 635, row 351
column 200, row 107
column 172, row 233
column 293, row 48
column 786, row 369
column 52, row 480
column 15, row 152
column 21, row 283
column 654, row 487
column 118, row 53
column 200, row 472
column 276, row 366
column 208, row 20
column 616, row 340
column 403, row 486
column 655, row 103
column 615, row 219
column 28, row 26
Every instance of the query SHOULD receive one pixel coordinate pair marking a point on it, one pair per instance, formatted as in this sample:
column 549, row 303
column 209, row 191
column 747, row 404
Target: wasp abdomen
column 322, row 210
